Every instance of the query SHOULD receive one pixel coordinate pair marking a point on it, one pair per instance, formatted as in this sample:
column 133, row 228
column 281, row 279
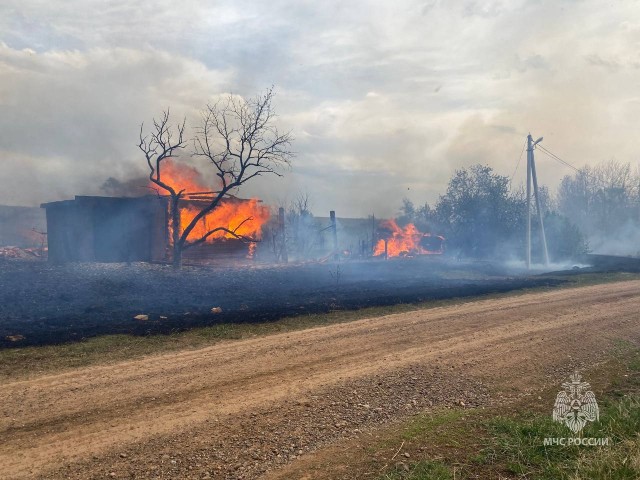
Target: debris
column 15, row 338
column 398, row 451
column 141, row 317
column 216, row 310
column 21, row 253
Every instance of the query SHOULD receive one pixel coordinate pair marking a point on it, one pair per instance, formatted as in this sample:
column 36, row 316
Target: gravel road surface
column 251, row 408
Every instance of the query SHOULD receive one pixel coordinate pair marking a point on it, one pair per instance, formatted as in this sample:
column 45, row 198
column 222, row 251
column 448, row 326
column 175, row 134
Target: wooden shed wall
column 107, row 229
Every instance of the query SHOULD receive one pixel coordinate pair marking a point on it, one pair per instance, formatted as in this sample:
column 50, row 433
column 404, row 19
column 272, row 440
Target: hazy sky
column 385, row 99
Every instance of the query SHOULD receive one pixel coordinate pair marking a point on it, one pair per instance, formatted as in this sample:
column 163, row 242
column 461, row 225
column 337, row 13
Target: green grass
column 510, row 445
column 18, row 363
column 518, row 445
column 423, row 470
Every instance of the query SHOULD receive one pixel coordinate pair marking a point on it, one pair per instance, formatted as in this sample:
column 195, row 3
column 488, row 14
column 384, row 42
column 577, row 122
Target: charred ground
column 42, row 303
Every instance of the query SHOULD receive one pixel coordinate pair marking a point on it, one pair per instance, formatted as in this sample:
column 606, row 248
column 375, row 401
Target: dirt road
column 241, row 409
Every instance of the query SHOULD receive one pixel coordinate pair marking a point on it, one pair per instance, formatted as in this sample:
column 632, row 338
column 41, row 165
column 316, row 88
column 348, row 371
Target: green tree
column 479, row 214
column 481, row 217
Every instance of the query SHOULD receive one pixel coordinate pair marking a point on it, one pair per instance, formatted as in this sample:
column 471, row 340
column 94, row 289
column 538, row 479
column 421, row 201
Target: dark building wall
column 69, row 232
column 107, row 229
column 159, row 231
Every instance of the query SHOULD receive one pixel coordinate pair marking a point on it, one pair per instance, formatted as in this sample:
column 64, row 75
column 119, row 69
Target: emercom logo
column 575, row 406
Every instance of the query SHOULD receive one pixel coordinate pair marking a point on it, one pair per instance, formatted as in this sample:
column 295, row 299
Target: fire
column 182, row 177
column 244, row 217
column 407, row 241
column 230, row 214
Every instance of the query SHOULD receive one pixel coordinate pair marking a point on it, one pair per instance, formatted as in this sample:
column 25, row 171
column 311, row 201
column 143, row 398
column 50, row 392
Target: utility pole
column 543, row 237
column 529, row 155
column 334, row 234
column 531, row 174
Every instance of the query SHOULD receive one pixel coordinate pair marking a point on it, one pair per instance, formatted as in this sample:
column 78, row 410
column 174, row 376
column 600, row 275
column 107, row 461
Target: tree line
column 483, row 216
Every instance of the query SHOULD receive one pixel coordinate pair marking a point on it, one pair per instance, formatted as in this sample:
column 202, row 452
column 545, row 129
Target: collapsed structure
column 395, row 241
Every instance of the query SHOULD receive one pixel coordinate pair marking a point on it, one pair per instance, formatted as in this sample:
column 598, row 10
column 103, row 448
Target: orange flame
column 407, row 241
column 244, row 217
column 182, row 177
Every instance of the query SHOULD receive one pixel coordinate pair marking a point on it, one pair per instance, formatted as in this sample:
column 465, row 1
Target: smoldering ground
column 42, row 303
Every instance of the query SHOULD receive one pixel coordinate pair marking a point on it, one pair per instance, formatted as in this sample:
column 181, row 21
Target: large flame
column 406, row 241
column 182, row 177
column 244, row 217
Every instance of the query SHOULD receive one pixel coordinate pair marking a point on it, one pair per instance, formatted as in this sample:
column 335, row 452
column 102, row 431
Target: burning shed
column 395, row 241
column 127, row 229
column 245, row 217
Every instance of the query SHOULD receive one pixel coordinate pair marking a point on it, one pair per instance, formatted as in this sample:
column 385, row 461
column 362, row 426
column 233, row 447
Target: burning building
column 245, row 217
column 125, row 229
column 396, row 241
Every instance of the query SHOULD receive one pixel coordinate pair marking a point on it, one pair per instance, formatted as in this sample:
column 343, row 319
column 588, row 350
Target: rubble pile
column 22, row 253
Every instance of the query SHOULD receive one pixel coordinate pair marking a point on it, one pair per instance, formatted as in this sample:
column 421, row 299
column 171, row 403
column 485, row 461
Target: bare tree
column 602, row 200
column 164, row 142
column 303, row 232
column 241, row 142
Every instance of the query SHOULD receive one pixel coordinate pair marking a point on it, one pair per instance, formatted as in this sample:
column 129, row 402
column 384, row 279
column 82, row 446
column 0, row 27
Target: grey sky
column 385, row 99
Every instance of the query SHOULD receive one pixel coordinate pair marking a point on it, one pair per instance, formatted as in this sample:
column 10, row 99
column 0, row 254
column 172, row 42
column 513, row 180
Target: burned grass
column 43, row 304
column 24, row 361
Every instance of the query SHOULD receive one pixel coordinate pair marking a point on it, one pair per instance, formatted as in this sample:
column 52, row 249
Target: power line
column 519, row 160
column 557, row 158
column 597, row 180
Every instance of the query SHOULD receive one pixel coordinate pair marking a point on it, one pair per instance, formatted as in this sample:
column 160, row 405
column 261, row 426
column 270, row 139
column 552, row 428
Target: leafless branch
column 238, row 137
column 221, row 229
column 163, row 142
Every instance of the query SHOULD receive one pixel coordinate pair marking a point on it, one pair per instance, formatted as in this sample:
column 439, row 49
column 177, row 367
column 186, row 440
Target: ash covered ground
column 42, row 303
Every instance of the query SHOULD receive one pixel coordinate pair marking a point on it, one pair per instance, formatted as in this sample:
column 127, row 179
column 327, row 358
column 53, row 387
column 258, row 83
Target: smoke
column 21, row 226
column 113, row 187
column 624, row 240
column 383, row 102
column 74, row 117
